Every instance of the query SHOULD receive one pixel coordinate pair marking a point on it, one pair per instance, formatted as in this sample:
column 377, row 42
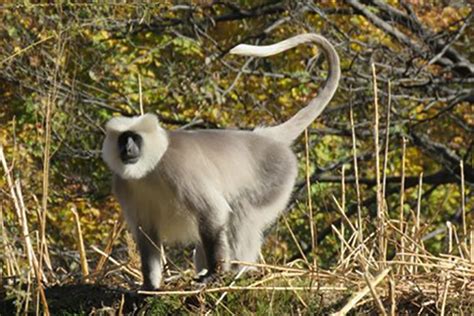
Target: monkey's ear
column 118, row 124
column 148, row 122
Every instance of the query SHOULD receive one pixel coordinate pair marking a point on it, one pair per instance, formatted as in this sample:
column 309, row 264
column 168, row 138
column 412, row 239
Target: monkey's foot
column 207, row 278
column 148, row 288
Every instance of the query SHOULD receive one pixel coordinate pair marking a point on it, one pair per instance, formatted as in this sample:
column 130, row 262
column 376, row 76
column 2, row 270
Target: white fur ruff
column 155, row 143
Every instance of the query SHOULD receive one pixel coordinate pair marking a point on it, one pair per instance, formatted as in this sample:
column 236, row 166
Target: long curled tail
column 288, row 131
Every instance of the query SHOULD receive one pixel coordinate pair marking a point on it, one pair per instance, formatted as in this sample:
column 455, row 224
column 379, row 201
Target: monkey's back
column 241, row 165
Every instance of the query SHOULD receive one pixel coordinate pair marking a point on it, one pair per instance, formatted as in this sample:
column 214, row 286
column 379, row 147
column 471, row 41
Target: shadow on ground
column 83, row 298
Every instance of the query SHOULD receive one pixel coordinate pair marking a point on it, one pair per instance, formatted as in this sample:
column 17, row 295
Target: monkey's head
column 133, row 146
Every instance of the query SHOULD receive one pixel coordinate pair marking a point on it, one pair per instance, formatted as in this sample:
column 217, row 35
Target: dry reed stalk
column 445, row 294
column 80, row 243
column 23, row 221
column 116, row 231
column 442, row 258
column 409, row 239
column 363, row 261
column 463, row 246
column 15, row 192
column 222, row 305
column 364, row 302
column 28, row 294
column 417, row 226
column 450, row 236
column 38, row 244
column 38, row 217
column 262, row 259
column 343, row 214
column 295, row 240
column 413, row 257
column 362, row 293
column 387, row 142
column 10, row 184
column 393, row 296
column 275, row 276
column 40, row 277
column 202, row 303
column 356, row 252
column 385, row 162
column 122, row 303
column 46, row 156
column 132, row 272
column 50, row 107
column 38, row 300
column 161, row 249
column 418, row 207
column 380, row 214
column 272, row 267
column 298, row 296
column 378, row 302
column 452, row 266
column 164, row 260
column 342, row 239
column 343, row 207
column 356, row 175
column 472, row 245
column 354, row 244
column 463, row 200
column 458, row 242
column 310, row 201
column 445, row 257
column 339, row 208
column 245, row 288
column 11, row 262
column 140, row 94
column 271, row 277
column 371, row 255
column 354, row 238
column 402, row 198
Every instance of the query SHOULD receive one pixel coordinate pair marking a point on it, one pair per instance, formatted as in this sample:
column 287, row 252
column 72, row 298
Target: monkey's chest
column 157, row 210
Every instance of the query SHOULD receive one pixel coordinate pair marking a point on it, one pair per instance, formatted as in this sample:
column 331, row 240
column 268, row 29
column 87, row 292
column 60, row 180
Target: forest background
column 380, row 219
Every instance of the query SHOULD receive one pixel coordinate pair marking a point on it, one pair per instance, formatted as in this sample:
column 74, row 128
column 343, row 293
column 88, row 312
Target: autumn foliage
column 384, row 202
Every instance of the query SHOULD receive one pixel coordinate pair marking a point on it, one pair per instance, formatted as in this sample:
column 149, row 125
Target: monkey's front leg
column 216, row 248
column 150, row 254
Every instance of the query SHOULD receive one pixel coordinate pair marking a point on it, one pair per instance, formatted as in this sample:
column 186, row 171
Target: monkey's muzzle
column 129, row 144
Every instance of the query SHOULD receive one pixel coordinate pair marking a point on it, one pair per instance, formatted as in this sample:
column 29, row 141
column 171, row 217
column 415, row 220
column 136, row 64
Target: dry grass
column 376, row 283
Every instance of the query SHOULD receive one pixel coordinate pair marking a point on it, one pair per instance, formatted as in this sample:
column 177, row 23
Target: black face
column 130, row 145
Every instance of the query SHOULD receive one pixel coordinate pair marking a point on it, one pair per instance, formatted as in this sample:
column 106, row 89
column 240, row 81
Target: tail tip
column 238, row 50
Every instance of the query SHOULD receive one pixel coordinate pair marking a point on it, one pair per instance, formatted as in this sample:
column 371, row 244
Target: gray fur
column 217, row 189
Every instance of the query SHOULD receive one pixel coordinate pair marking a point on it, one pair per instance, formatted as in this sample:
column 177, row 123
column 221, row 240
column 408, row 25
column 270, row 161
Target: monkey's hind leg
column 247, row 228
column 199, row 258
column 213, row 213
column 246, row 240
column 216, row 250
column 150, row 254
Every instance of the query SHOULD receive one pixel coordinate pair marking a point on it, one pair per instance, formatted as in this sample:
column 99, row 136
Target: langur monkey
column 217, row 189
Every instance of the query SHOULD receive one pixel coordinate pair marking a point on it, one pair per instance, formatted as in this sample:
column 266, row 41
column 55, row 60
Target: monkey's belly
column 171, row 221
column 172, row 227
column 177, row 226
column 157, row 210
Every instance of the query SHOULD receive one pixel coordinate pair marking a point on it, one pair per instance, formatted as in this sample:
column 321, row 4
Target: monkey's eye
column 129, row 145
